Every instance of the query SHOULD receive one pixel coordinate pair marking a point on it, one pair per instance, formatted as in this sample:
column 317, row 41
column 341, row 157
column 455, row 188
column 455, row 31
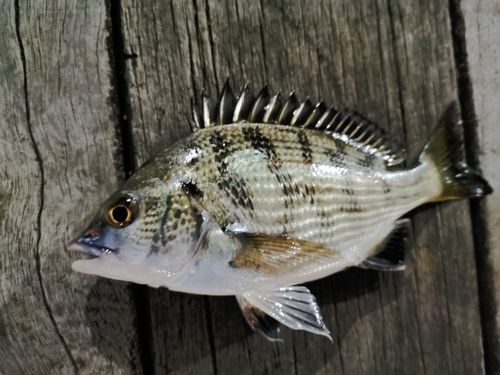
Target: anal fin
column 292, row 306
column 258, row 320
column 390, row 253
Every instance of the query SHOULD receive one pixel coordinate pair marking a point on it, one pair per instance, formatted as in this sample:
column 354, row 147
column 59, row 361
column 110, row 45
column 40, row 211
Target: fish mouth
column 92, row 251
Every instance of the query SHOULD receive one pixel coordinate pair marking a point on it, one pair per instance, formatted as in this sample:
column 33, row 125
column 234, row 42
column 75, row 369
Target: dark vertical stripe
column 163, row 223
column 305, row 146
column 120, row 87
column 220, row 146
column 221, row 149
column 259, row 142
column 352, row 204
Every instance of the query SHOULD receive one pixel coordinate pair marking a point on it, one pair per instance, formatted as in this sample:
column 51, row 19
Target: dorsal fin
column 345, row 125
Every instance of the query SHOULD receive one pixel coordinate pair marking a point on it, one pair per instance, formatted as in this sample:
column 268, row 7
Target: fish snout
column 85, row 248
column 91, row 242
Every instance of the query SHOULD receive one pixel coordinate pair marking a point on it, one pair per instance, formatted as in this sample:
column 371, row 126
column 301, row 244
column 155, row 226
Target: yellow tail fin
column 444, row 149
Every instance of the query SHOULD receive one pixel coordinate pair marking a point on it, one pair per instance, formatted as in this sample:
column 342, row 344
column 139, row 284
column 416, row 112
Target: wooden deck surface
column 482, row 22
column 91, row 90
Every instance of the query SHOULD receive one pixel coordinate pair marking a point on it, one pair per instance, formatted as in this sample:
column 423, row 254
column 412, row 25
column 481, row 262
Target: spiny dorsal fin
column 345, row 125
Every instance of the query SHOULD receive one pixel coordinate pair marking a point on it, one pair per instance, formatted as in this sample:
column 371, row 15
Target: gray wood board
column 482, row 29
column 392, row 61
column 58, row 149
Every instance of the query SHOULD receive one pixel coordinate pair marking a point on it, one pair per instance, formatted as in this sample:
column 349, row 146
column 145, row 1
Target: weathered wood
column 482, row 28
column 58, row 152
column 26, row 332
column 391, row 60
column 160, row 84
column 446, row 285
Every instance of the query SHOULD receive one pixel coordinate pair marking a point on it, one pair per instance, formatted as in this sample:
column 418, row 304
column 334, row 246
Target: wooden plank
column 59, row 161
column 482, row 27
column 446, row 286
column 24, row 322
column 160, row 85
column 388, row 59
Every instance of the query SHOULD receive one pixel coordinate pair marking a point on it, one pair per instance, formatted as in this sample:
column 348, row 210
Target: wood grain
column 481, row 22
column 161, row 87
column 60, row 158
column 27, row 336
column 58, row 151
column 391, row 60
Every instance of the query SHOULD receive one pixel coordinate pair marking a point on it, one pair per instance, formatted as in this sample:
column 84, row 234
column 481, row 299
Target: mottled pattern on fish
column 284, row 180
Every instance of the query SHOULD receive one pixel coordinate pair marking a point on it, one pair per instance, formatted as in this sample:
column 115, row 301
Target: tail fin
column 445, row 151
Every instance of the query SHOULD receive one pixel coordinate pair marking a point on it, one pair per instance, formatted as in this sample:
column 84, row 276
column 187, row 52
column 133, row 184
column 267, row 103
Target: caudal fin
column 444, row 150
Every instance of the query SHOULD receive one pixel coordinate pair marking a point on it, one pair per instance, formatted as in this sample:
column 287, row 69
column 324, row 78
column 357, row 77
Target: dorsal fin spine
column 322, row 119
column 286, row 113
column 258, row 107
column 301, row 114
column 348, row 127
column 206, row 111
column 360, row 138
column 237, row 108
column 226, row 105
column 272, row 108
column 357, row 130
column 332, row 122
column 326, row 118
column 195, row 122
column 376, row 143
column 369, row 139
column 243, row 104
column 316, row 113
column 345, row 124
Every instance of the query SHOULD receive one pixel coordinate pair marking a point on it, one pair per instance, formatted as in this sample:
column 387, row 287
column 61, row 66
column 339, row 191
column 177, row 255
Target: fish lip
column 94, row 251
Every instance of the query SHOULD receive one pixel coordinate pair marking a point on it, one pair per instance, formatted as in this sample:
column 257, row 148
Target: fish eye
column 121, row 212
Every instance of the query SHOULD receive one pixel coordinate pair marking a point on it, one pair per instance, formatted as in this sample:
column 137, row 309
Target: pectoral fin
column 258, row 320
column 293, row 306
column 277, row 254
column 390, row 254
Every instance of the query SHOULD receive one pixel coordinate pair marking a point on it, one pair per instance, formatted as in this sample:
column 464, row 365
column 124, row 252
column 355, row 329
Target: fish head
column 145, row 233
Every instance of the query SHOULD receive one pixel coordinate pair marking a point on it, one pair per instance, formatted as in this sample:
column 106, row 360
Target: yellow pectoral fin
column 277, row 254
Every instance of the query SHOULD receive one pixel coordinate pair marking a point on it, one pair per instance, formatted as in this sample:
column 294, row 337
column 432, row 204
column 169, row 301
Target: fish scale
column 268, row 193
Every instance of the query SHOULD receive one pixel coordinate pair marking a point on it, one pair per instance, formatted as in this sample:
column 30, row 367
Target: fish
column 266, row 194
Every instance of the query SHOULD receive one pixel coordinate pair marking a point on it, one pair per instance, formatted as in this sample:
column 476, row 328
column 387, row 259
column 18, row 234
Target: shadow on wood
column 104, row 315
column 183, row 325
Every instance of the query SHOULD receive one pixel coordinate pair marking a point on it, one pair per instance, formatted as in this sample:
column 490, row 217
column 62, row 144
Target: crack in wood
column 121, row 95
column 487, row 300
column 211, row 336
column 118, row 56
column 42, row 186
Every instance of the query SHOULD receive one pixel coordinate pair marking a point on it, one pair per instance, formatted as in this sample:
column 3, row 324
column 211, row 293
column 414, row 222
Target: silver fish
column 268, row 193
